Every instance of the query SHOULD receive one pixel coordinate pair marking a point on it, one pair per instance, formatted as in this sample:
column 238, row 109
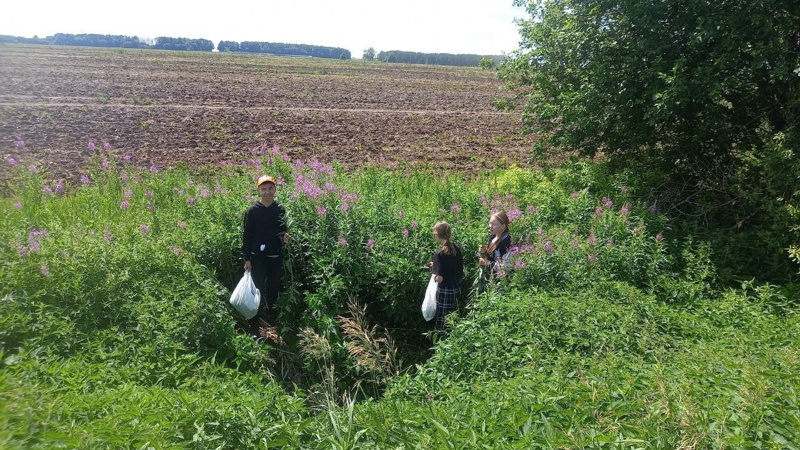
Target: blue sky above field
column 469, row 26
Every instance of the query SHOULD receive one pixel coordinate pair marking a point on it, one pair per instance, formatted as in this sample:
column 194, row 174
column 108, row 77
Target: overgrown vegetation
column 613, row 331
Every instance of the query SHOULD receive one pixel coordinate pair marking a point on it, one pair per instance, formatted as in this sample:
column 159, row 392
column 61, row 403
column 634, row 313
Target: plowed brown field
column 166, row 107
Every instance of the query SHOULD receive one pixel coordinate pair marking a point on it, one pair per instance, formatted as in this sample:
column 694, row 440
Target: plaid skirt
column 446, row 302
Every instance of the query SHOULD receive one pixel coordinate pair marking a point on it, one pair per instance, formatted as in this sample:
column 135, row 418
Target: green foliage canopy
column 688, row 83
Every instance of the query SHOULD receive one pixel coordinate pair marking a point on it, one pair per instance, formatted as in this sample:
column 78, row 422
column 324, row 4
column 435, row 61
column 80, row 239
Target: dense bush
column 702, row 98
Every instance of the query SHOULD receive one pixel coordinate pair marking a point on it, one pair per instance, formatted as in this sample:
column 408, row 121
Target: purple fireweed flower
column 254, row 150
column 18, row 205
column 144, row 228
column 45, row 271
column 20, row 143
column 127, row 193
column 455, row 207
column 275, row 149
column 148, row 194
column 592, row 239
column 59, row 188
column 653, row 208
column 483, row 201
column 576, row 194
column 609, row 242
column 592, row 257
column 345, row 207
column 526, row 248
column 514, row 214
column 32, row 168
column 104, row 164
column 127, row 157
column 106, row 146
column 574, row 243
column 150, row 206
column 153, row 168
column 519, row 264
column 90, row 145
column 330, row 187
column 181, row 224
column 341, row 241
column 11, row 161
column 47, row 190
column 532, row 209
column 177, row 251
column 637, row 230
column 414, row 224
column 401, row 214
column 539, row 231
column 370, row 244
column 22, row 250
column 286, row 157
column 405, row 232
column 598, row 212
column 624, row 190
column 659, row 237
column 270, row 161
column 626, row 208
column 191, row 201
column 321, row 210
column 548, row 246
column 125, row 204
column 205, row 192
column 607, row 202
column 85, row 179
column 281, row 181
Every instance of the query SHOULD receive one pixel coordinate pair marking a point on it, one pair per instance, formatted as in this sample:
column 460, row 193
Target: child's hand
column 438, row 278
column 247, row 266
column 430, row 265
column 481, row 249
column 286, row 238
column 482, row 261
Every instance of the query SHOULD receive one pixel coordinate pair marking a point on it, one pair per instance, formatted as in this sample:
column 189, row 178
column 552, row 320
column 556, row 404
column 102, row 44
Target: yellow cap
column 265, row 179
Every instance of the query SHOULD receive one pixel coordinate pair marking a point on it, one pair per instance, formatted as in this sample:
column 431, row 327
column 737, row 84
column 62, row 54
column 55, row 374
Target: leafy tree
column 704, row 95
column 369, row 54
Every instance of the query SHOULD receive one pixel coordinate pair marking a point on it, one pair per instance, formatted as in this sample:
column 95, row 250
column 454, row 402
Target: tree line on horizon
column 279, row 48
column 180, row 44
column 272, row 48
column 442, row 59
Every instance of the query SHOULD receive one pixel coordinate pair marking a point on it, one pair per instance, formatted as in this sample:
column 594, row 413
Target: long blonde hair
column 442, row 230
column 501, row 217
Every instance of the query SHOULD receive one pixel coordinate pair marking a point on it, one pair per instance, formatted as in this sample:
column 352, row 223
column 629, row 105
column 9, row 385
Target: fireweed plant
column 607, row 330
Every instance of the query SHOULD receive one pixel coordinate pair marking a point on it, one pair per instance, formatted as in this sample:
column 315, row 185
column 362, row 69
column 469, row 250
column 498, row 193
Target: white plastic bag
column 246, row 297
column 429, row 304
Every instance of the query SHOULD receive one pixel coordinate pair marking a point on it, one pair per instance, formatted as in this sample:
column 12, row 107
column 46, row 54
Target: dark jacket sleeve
column 282, row 227
column 437, row 263
column 247, row 236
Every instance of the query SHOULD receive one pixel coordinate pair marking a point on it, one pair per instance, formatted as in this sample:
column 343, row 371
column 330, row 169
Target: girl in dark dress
column 448, row 268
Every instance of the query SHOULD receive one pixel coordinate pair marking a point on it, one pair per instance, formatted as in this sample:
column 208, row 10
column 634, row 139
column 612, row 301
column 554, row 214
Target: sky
column 484, row 27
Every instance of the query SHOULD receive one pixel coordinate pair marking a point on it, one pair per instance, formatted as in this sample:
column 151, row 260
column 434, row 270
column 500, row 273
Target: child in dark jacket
column 262, row 244
column 494, row 254
column 448, row 268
